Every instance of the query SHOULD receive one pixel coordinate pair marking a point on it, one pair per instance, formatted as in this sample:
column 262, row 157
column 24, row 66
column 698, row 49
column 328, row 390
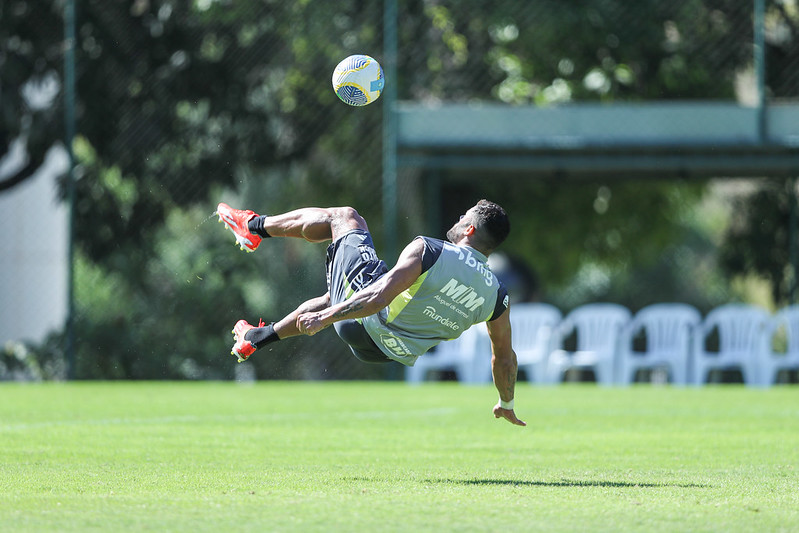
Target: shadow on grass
column 565, row 483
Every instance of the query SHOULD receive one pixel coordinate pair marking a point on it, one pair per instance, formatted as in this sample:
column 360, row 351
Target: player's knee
column 347, row 213
column 347, row 218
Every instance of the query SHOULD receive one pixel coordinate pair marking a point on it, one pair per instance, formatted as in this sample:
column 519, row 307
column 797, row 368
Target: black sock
column 260, row 337
column 256, row 225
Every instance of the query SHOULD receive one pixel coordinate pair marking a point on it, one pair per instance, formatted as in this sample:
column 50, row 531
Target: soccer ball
column 358, row 80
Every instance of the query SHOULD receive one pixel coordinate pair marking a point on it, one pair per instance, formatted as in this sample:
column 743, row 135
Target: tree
column 31, row 121
column 757, row 241
column 558, row 53
column 183, row 103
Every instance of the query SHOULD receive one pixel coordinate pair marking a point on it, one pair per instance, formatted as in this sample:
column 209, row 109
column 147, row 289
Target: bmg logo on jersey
column 471, row 261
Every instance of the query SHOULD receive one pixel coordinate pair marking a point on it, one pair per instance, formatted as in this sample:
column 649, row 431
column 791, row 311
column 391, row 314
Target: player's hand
column 508, row 415
column 310, row 323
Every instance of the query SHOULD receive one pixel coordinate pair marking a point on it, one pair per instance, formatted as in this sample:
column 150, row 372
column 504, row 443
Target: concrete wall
column 33, row 255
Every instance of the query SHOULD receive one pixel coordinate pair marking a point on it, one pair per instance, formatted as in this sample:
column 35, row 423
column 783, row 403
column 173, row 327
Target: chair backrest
column 532, row 325
column 740, row 327
column 467, row 345
column 668, row 326
column 597, row 325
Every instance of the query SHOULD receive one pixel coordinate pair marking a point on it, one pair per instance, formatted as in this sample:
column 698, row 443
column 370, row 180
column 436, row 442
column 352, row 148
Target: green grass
column 389, row 457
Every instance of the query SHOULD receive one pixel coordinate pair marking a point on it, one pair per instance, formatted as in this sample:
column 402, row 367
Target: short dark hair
column 493, row 224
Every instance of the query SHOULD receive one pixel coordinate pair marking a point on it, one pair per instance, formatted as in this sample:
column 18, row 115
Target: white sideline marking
column 441, row 411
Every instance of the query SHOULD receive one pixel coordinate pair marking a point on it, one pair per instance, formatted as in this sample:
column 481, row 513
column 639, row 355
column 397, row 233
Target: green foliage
column 181, row 104
column 187, row 98
column 619, row 230
column 172, row 320
column 178, row 105
column 758, row 240
column 31, row 46
column 554, row 52
column 45, row 361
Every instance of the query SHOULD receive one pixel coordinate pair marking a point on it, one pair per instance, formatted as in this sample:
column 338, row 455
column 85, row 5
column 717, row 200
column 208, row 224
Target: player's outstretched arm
column 373, row 298
column 287, row 327
column 503, row 367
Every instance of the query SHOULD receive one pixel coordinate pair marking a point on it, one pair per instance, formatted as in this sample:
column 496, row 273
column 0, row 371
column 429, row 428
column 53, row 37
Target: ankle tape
column 260, row 337
column 256, row 226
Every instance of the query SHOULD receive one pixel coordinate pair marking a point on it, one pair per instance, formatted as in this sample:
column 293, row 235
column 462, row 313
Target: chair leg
column 555, row 367
column 626, row 375
column 678, row 373
column 604, row 374
column 700, row 371
column 416, row 373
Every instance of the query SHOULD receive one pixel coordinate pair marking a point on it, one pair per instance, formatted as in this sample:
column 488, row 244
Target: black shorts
column 352, row 264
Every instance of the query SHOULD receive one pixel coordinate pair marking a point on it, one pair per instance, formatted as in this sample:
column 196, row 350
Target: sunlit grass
column 389, row 457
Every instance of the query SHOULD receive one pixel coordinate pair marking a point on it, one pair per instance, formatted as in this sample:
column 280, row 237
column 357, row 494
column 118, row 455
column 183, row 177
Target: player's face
column 455, row 232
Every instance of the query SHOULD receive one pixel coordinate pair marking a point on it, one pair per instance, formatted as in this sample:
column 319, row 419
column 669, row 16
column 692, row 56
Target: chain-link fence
column 181, row 105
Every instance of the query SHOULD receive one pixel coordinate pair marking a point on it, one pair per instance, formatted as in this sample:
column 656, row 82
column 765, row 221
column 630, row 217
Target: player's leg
column 249, row 338
column 361, row 344
column 351, row 265
column 314, row 224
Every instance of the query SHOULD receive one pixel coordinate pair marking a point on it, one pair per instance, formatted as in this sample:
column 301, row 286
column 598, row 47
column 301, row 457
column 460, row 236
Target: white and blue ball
column 358, row 80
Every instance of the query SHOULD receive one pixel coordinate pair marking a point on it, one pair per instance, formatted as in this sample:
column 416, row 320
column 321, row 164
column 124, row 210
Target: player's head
column 491, row 226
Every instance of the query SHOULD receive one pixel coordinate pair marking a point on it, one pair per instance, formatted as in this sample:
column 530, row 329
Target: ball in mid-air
column 358, row 80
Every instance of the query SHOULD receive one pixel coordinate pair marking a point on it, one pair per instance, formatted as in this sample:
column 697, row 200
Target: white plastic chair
column 668, row 328
column 533, row 327
column 460, row 355
column 742, row 341
column 786, row 321
column 533, row 335
column 598, row 327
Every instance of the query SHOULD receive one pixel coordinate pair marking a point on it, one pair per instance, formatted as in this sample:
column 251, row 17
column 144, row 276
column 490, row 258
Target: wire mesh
column 184, row 104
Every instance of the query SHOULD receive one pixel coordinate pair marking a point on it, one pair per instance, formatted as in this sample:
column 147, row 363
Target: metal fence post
column 69, row 124
column 759, row 59
column 793, row 246
column 389, row 129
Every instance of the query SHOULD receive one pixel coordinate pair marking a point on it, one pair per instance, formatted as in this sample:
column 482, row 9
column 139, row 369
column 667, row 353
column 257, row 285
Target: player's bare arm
column 288, row 328
column 503, row 366
column 374, row 297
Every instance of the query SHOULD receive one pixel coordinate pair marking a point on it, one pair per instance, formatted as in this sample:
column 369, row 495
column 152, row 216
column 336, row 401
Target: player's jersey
column 456, row 290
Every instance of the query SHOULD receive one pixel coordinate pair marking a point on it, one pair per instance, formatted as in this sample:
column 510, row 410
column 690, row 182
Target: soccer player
column 435, row 292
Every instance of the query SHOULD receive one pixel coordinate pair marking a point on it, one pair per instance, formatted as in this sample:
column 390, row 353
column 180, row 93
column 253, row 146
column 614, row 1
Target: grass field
column 389, row 457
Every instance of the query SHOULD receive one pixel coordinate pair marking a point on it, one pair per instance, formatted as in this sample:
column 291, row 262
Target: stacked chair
column 616, row 345
column 461, row 355
column 667, row 330
column 534, row 328
column 598, row 328
column 783, row 327
column 742, row 341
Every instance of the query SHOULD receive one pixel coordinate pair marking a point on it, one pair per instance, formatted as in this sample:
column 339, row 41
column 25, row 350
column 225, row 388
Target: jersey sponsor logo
column 395, row 345
column 446, row 303
column 462, row 294
column 471, row 261
column 430, row 312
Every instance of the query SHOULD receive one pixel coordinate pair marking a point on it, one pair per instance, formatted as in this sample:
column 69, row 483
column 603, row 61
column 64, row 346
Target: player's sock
column 256, row 225
column 260, row 337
